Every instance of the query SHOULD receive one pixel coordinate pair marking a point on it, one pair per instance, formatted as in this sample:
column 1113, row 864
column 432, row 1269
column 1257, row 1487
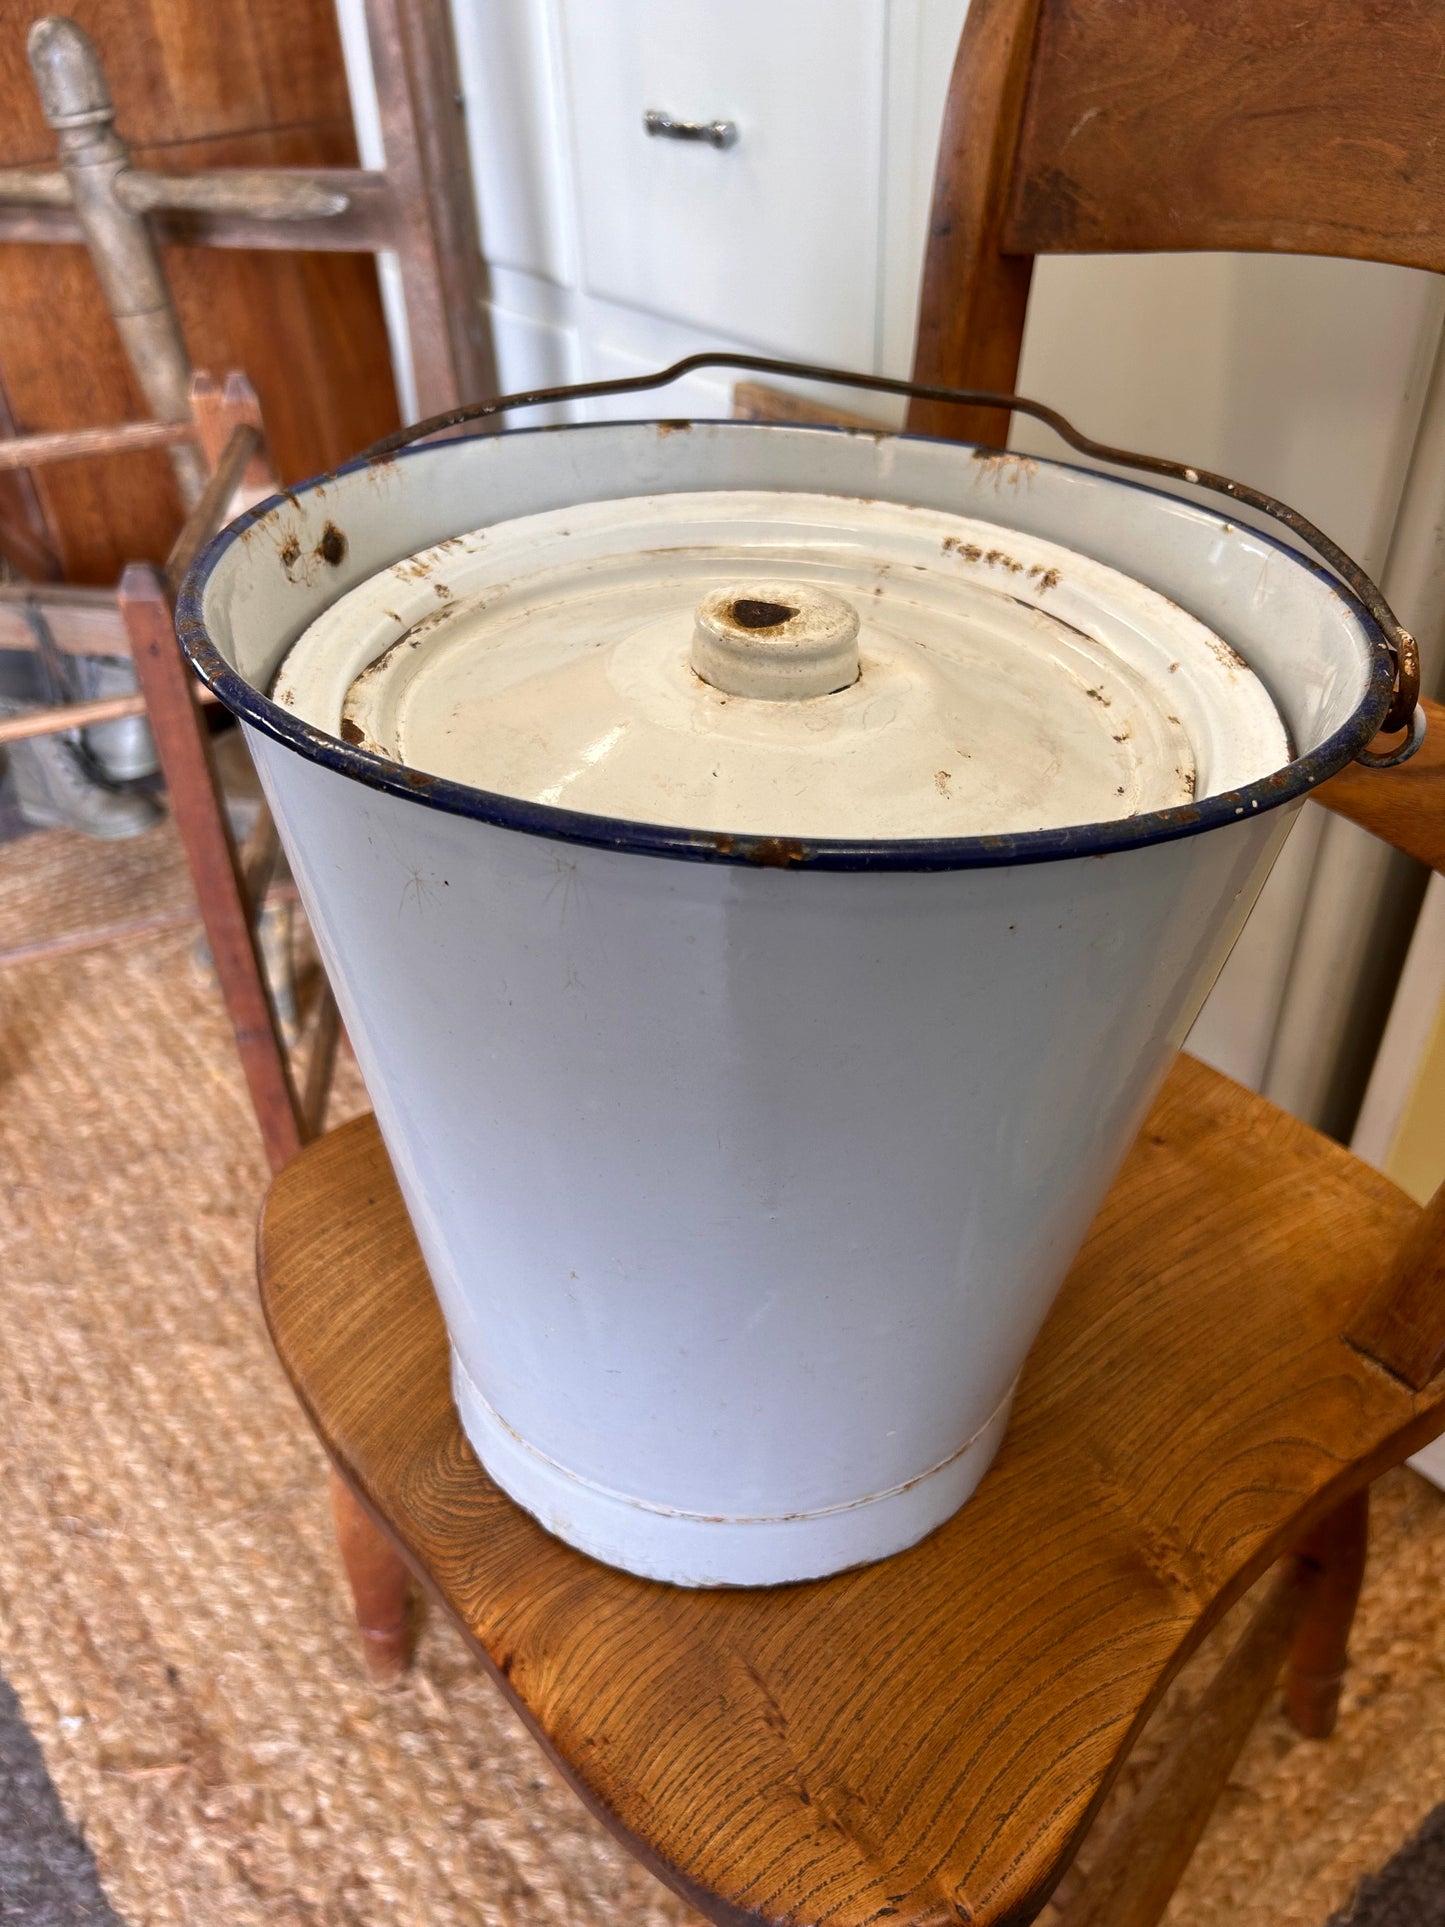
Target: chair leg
column 1317, row 1658
column 1138, row 1865
column 184, row 748
column 380, row 1587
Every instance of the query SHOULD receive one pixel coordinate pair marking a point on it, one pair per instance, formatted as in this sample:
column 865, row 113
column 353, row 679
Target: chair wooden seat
column 924, row 1740
column 921, row 1740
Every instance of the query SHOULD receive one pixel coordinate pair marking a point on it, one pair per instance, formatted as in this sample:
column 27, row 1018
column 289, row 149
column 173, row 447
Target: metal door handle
column 717, row 133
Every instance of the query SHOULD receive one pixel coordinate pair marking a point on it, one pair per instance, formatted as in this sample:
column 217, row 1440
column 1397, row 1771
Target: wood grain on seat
column 922, row 1740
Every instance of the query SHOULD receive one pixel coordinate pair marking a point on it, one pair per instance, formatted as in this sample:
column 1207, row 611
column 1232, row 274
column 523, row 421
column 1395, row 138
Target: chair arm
column 1405, row 807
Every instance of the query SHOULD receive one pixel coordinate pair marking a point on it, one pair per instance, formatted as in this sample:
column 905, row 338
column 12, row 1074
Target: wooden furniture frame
column 1254, row 1329
column 419, row 206
column 225, row 436
column 1123, row 126
column 137, row 621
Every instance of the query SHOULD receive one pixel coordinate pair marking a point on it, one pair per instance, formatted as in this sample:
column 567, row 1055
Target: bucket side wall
column 746, row 1191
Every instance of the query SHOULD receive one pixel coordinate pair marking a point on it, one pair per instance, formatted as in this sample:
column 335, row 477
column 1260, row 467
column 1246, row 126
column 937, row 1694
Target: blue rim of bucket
column 1296, row 779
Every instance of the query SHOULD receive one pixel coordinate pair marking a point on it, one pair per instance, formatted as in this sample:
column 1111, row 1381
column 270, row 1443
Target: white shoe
column 123, row 750
column 55, row 782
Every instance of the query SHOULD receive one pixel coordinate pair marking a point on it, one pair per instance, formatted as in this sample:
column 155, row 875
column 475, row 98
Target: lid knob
column 780, row 641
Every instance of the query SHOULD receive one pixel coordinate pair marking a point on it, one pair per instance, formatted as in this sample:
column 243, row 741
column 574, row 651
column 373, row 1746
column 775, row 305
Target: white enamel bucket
column 746, row 1173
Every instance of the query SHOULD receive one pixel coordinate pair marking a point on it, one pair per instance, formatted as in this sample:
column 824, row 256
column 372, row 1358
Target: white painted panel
column 602, row 341
column 1305, row 377
column 510, row 74
column 366, row 116
column 1342, row 976
column 1413, row 1015
column 706, row 395
column 533, row 354
column 530, row 295
column 1300, row 375
column 772, row 242
column 1432, row 1462
column 624, row 341
column 398, row 334
column 923, row 37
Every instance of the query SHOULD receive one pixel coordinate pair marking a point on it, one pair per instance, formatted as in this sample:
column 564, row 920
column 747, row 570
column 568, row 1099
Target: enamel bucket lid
column 787, row 664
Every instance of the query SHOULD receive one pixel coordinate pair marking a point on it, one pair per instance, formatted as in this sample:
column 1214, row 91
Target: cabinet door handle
column 717, row 133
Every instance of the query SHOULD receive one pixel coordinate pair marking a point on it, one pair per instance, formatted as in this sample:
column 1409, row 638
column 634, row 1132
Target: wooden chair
column 137, row 621
column 417, row 205
column 224, row 436
column 1252, row 1332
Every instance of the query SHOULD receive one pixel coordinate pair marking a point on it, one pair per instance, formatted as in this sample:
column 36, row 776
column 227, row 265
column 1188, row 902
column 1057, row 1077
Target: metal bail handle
column 1404, row 712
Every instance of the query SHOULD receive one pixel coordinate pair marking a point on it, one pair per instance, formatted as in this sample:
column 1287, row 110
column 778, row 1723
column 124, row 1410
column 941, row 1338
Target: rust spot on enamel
column 775, row 852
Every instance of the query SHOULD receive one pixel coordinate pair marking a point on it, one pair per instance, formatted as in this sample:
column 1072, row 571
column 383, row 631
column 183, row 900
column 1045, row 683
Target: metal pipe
column 76, row 101
column 260, row 193
column 34, row 186
column 67, row 445
column 267, row 194
column 342, row 210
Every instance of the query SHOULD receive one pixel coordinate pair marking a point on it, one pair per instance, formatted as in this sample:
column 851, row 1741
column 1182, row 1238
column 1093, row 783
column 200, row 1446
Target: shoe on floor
column 55, row 783
column 55, row 789
column 124, row 750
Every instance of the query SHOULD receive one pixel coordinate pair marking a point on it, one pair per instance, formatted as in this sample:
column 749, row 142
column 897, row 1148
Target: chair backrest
column 1117, row 126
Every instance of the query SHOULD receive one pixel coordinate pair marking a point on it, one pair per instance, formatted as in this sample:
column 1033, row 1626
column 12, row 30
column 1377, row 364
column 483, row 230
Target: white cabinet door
column 773, row 241
column 510, row 70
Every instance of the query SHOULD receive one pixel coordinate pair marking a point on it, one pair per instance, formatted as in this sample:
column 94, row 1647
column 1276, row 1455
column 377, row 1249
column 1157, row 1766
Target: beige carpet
column 171, row 1614
column 60, row 892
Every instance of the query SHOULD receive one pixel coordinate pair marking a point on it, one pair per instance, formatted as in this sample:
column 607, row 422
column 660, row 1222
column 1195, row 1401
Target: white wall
column 1306, row 378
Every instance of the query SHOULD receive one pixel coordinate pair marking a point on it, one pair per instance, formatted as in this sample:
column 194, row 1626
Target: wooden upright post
column 184, row 749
